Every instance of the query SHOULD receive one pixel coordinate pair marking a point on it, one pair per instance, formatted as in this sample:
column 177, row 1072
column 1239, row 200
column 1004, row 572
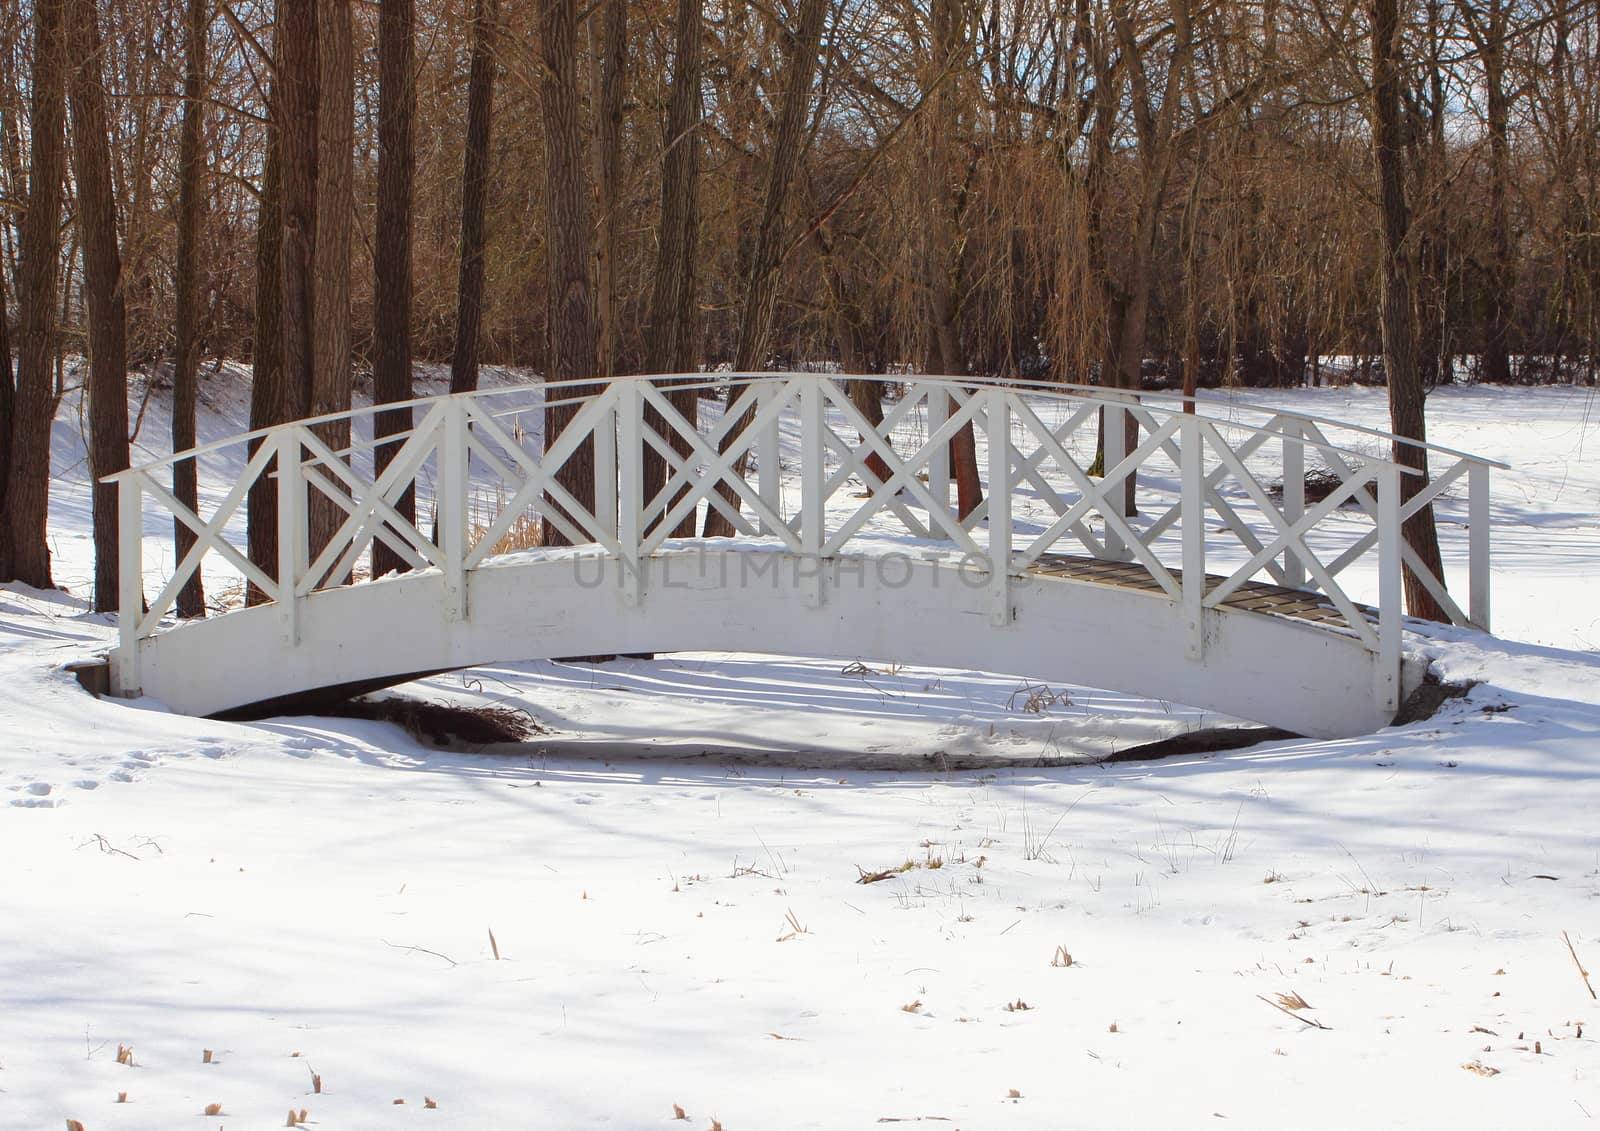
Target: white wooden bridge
column 1224, row 587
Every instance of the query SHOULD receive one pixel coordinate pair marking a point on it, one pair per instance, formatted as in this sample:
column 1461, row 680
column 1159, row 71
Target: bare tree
column 391, row 314
column 1398, row 298
column 610, row 50
column 296, row 97
column 8, row 392
column 942, row 205
column 569, row 319
column 331, row 374
column 1487, row 22
column 24, row 549
column 271, row 400
column 186, row 347
column 672, row 326
column 474, row 197
column 762, row 280
column 102, row 283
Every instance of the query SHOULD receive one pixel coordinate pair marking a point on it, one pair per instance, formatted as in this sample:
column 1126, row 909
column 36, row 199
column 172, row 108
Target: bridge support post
column 1114, row 496
column 997, row 418
column 630, row 487
column 1391, row 589
column 130, row 581
column 1478, row 544
column 769, row 455
column 1294, row 498
column 606, row 468
column 453, row 522
column 939, row 460
column 1192, row 473
column 812, row 485
column 294, row 551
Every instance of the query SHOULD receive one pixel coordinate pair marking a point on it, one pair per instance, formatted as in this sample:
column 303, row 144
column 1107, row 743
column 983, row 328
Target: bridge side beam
column 812, row 489
column 294, row 550
column 1391, row 595
column 1478, row 544
column 997, row 423
column 1191, row 462
column 1294, row 497
column 630, row 488
column 130, row 581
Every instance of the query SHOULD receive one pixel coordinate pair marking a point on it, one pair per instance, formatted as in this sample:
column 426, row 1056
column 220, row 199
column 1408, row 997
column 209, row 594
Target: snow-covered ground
column 1387, row 931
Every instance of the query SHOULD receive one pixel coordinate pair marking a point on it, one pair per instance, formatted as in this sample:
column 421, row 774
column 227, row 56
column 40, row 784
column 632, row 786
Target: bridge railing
column 1218, row 494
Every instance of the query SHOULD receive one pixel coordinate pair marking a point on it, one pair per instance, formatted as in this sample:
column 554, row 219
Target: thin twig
column 1579, row 965
column 1311, row 1021
column 423, row 949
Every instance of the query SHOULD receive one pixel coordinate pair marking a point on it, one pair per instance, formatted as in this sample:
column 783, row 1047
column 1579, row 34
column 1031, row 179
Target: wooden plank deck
column 1252, row 596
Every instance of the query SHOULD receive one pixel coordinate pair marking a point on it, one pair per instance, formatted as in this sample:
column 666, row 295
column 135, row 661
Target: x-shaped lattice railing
column 1190, row 471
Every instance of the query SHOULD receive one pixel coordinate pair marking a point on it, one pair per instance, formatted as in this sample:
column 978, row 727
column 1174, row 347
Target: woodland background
column 1123, row 192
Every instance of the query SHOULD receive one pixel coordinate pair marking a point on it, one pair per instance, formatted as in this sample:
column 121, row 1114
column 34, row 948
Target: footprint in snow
column 38, row 788
column 86, row 783
column 36, row 802
column 120, row 775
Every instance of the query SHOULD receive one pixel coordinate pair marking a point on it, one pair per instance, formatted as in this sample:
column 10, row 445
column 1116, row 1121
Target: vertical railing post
column 1193, row 511
column 1391, row 590
column 997, row 431
column 939, row 461
column 1114, row 433
column 630, row 486
column 1478, row 544
column 294, row 547
column 1294, row 498
column 769, row 453
column 452, row 506
column 606, row 468
column 130, row 582
column 812, row 480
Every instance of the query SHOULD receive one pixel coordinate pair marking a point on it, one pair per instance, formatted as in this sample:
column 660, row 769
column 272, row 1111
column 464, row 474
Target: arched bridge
column 1219, row 578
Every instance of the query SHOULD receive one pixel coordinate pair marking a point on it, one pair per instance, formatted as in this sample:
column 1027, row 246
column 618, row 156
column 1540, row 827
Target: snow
column 671, row 879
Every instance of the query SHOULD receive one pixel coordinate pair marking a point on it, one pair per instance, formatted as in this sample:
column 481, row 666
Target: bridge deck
column 1252, row 596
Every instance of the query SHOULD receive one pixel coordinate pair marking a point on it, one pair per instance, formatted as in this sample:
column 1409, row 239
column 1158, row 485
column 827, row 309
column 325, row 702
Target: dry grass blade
column 1584, row 973
column 1310, row 1021
column 1478, row 1068
column 1293, row 1000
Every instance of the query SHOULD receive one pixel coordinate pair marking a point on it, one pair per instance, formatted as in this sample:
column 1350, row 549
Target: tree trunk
column 24, row 547
column 1397, row 297
column 474, row 198
column 8, row 393
column 186, row 361
column 269, row 388
column 761, row 285
column 1488, row 31
column 569, row 324
column 672, row 325
column 391, row 303
column 297, row 98
column 941, row 261
column 611, row 57
column 102, row 283
column 330, row 344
